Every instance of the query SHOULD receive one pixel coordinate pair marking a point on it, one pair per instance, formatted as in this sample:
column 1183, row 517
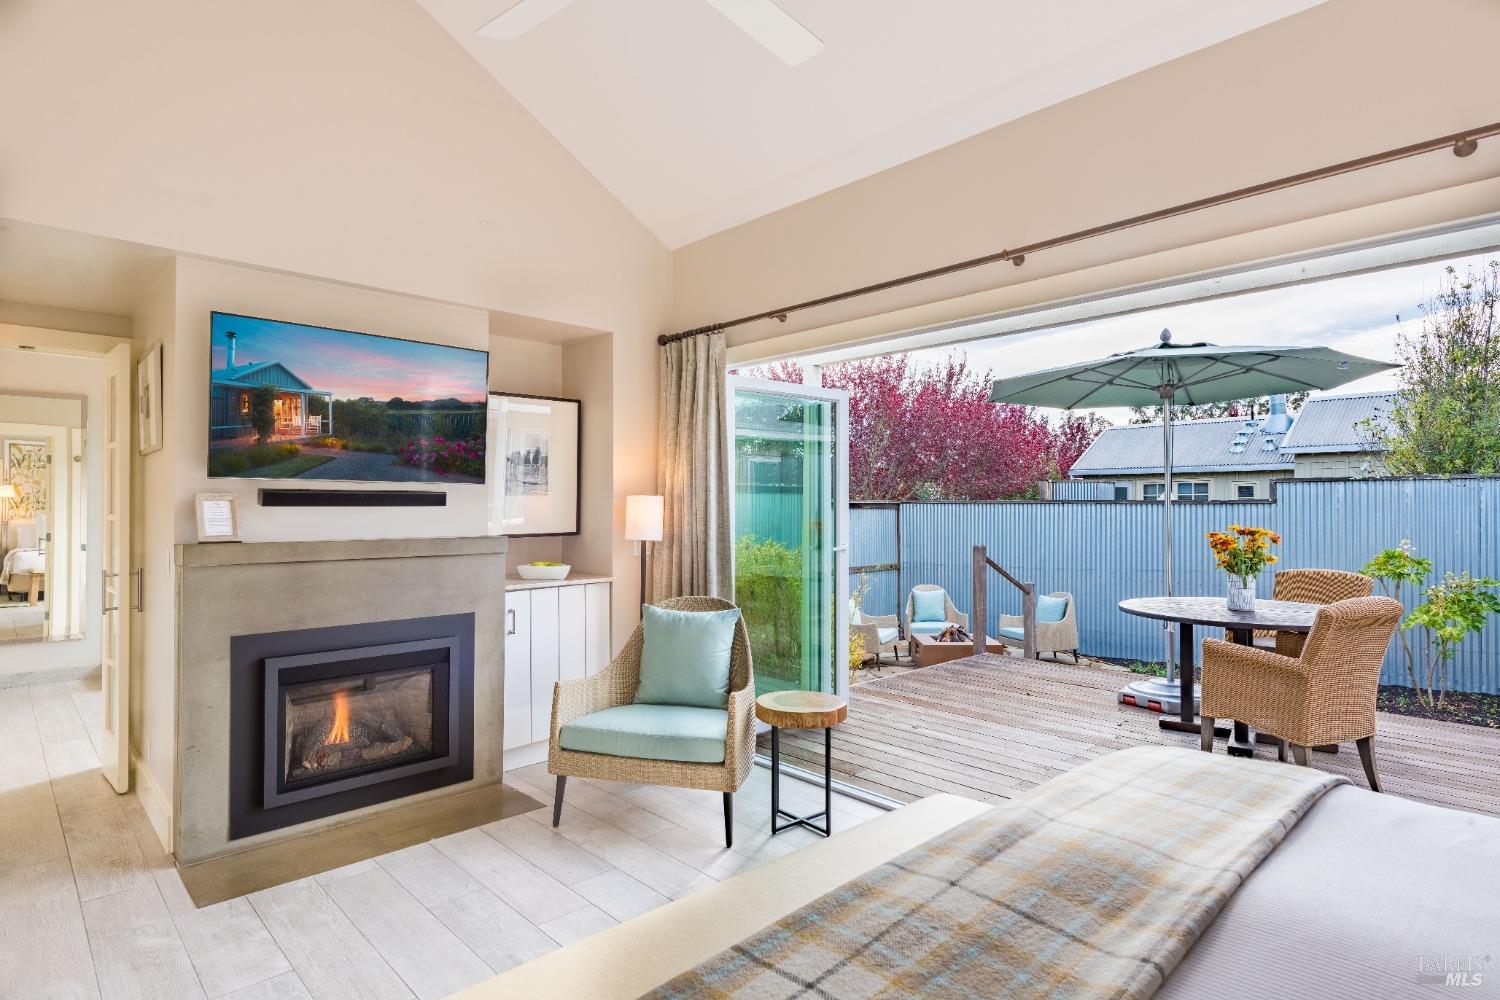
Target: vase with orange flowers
column 1243, row 552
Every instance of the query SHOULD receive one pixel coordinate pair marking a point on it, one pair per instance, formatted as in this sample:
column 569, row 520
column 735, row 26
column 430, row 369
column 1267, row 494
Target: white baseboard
column 157, row 806
column 534, row 753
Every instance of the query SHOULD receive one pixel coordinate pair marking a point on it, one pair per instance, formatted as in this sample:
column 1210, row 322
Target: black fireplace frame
column 259, row 664
column 302, row 668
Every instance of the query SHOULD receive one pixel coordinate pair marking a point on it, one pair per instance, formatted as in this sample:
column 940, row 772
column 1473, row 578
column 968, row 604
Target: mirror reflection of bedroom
column 44, row 524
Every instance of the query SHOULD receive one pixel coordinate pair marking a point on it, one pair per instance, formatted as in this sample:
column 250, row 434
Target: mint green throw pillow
column 929, row 606
column 685, row 660
column 1051, row 609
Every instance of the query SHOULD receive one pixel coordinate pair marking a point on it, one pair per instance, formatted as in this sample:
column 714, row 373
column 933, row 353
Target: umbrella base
column 1157, row 695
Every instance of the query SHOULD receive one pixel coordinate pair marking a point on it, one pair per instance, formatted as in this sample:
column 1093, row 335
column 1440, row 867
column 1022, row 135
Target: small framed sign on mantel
column 218, row 517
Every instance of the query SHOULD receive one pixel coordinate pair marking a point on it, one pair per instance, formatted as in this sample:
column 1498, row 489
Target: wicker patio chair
column 951, row 614
column 616, row 685
column 878, row 632
column 1310, row 586
column 1325, row 695
column 1058, row 636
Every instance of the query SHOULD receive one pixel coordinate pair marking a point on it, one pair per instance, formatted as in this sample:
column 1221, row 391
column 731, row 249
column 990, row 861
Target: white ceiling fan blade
column 769, row 25
column 521, row 18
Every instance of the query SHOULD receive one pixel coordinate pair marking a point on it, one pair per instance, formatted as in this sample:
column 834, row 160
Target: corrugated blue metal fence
column 1104, row 552
column 875, row 556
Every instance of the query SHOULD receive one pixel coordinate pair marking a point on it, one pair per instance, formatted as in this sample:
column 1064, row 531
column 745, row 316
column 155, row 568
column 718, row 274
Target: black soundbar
column 353, row 498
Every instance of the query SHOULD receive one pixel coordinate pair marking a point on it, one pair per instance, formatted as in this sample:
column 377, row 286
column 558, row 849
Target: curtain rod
column 1461, row 143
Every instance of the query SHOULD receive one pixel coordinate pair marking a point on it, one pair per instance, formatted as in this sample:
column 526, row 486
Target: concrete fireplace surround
column 230, row 589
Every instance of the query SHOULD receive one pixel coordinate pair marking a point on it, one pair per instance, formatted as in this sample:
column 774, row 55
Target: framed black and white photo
column 148, row 401
column 535, row 491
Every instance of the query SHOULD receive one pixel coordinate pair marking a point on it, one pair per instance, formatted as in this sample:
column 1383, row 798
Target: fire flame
column 339, row 731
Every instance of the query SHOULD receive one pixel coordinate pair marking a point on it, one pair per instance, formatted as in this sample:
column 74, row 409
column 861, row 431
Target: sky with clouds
column 1357, row 315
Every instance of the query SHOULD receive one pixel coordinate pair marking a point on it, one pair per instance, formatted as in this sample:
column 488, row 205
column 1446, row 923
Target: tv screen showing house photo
column 290, row 401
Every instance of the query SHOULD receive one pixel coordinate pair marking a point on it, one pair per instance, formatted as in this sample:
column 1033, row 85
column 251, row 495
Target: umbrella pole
column 1166, row 511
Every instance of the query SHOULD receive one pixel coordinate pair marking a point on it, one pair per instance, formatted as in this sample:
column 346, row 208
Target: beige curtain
column 693, row 557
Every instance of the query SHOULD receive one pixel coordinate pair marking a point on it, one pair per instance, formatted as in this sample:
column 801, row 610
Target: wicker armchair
column 870, row 627
column 1325, row 695
column 951, row 614
column 1051, row 637
column 1310, row 586
column 616, row 685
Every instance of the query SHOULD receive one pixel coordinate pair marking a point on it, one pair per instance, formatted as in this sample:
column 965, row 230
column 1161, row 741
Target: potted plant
column 1242, row 553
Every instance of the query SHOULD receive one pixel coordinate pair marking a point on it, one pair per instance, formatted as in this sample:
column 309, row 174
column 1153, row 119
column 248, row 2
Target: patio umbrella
column 1171, row 374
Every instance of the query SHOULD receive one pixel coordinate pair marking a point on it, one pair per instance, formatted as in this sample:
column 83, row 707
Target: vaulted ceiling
column 696, row 128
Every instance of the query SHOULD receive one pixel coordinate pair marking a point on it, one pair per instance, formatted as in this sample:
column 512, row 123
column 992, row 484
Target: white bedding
column 22, row 562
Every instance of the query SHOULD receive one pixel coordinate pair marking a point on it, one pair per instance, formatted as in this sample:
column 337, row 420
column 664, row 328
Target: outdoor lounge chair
column 878, row 632
column 688, row 748
column 1310, row 586
column 922, row 610
column 1056, row 626
column 1326, row 695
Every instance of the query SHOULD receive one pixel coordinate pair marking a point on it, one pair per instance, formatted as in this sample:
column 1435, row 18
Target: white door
column 114, row 747
column 790, row 482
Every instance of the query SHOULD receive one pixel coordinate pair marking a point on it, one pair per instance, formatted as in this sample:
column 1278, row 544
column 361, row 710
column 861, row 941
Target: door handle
column 104, row 592
column 511, row 613
column 140, row 590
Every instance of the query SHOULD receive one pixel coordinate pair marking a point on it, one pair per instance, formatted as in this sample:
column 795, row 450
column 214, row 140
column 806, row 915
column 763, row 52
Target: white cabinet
column 517, row 669
column 551, row 633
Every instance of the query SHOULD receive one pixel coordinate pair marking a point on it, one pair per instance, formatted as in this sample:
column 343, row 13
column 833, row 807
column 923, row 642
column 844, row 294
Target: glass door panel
column 790, row 488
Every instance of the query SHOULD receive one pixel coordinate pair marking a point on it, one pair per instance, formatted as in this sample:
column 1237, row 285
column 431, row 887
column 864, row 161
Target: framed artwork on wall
column 537, row 444
column 148, row 401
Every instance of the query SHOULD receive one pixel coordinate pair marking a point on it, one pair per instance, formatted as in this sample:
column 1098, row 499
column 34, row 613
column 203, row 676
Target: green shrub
column 238, row 461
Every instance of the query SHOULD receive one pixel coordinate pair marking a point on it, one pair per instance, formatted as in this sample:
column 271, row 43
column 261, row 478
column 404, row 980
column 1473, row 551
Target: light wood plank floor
column 90, row 906
column 991, row 727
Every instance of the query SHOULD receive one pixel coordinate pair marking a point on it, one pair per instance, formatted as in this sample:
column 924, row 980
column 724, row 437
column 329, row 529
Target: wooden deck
column 989, row 727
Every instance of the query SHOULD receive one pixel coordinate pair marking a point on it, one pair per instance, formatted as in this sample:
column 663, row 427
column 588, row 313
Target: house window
column 1192, row 490
column 1244, row 491
column 244, row 402
column 1121, row 491
column 1152, row 491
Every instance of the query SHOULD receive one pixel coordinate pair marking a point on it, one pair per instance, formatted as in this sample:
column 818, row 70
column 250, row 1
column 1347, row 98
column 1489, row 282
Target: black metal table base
column 808, row 821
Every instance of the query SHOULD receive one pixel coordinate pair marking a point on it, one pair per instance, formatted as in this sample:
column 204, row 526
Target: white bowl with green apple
column 542, row 569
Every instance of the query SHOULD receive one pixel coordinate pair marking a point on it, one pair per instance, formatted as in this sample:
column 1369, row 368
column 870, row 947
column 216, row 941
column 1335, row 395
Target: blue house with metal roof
column 233, row 387
column 1233, row 458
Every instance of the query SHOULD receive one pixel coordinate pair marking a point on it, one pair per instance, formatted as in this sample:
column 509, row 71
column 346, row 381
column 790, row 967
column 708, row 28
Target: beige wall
column 1344, row 79
column 365, row 147
column 1345, row 466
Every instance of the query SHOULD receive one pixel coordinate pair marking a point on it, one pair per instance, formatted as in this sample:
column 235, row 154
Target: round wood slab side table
column 801, row 710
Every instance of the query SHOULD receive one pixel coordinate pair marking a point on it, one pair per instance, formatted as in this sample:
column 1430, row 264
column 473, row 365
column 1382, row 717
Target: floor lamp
column 643, row 523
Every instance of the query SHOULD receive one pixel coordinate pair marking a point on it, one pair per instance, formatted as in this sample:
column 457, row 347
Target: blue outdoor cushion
column 929, row 605
column 1051, row 609
column 929, row 628
column 1011, row 633
column 685, row 660
column 886, row 636
column 652, row 732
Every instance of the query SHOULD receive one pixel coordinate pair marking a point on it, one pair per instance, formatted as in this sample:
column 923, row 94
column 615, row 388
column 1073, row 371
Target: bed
column 1361, row 896
column 21, row 557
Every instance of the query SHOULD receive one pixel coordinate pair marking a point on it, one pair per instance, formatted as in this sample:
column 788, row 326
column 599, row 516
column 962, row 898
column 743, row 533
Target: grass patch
column 290, row 468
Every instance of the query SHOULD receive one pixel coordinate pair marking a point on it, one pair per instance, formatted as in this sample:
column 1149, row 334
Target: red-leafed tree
column 931, row 433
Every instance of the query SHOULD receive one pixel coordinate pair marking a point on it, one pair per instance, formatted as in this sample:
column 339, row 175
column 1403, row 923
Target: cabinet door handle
column 140, row 590
column 104, row 593
column 511, row 612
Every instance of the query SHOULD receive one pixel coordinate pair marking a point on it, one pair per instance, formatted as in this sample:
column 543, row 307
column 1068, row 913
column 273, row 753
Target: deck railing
column 979, row 619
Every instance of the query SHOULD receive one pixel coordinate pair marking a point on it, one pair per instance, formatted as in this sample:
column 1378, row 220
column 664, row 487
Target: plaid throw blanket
column 1094, row 884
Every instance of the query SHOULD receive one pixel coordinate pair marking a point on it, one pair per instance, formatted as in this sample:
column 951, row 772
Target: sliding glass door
column 790, row 483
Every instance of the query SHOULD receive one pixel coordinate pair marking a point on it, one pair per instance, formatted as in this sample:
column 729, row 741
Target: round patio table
column 1238, row 626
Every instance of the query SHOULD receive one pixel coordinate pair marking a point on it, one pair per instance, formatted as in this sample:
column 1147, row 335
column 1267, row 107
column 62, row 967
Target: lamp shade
column 7, row 491
column 643, row 519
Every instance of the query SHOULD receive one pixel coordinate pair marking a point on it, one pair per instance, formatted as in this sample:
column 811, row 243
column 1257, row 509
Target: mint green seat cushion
column 651, row 732
column 1011, row 633
column 886, row 636
column 685, row 659
column 929, row 605
column 1051, row 609
column 929, row 628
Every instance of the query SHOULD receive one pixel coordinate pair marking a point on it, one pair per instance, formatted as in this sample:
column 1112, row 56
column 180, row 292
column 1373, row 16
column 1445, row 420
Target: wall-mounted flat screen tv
column 290, row 401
